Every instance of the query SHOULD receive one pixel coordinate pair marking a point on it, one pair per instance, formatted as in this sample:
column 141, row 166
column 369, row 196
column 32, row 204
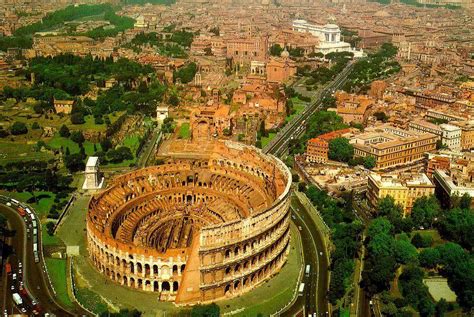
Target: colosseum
column 211, row 223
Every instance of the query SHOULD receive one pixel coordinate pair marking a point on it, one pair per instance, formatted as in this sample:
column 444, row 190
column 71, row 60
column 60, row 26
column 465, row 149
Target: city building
column 353, row 108
column 404, row 188
column 280, row 70
column 450, row 135
column 63, row 106
column 317, row 149
column 393, row 147
column 329, row 36
column 467, row 133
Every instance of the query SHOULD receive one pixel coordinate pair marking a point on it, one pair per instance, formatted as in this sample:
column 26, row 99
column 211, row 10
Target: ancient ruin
column 205, row 225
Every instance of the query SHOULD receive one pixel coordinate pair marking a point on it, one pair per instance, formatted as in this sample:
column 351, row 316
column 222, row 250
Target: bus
column 301, row 289
column 308, row 269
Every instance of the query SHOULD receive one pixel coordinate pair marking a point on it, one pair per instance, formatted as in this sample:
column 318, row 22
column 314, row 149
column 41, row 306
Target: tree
column 369, row 162
column 465, row 202
column 77, row 118
column 393, row 212
column 18, row 128
column 77, row 137
column 421, row 241
column 458, row 226
column 424, row 211
column 275, row 50
column 441, row 308
column 405, row 252
column 106, row 145
column 173, row 100
column 64, row 131
column 340, row 150
column 381, row 116
column 74, row 162
column 429, row 258
column 35, row 126
column 211, row 310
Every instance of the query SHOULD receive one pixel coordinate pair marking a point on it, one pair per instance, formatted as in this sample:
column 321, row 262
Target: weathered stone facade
column 194, row 230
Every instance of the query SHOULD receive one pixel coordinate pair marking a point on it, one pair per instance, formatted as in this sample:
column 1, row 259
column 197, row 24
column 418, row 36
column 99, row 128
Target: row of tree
column 345, row 235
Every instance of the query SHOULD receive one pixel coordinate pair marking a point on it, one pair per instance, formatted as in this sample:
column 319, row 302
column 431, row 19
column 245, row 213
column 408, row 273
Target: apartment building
column 393, row 147
column 404, row 188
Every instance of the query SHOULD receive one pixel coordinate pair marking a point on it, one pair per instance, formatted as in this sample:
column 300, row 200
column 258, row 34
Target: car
column 12, row 287
column 9, row 204
column 23, row 310
column 20, row 265
column 320, row 253
column 5, row 313
column 20, row 271
column 299, row 227
column 14, row 276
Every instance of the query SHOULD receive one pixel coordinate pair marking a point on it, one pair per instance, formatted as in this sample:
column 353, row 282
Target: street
column 33, row 278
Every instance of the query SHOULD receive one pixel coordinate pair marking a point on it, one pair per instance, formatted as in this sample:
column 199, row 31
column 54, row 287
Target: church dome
column 285, row 53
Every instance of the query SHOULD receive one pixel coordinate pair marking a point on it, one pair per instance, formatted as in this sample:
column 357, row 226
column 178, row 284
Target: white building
column 162, row 113
column 449, row 135
column 329, row 36
column 92, row 174
column 452, row 186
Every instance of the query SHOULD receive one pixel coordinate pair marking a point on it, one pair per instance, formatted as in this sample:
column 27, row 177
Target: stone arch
column 175, row 286
column 132, row 282
column 155, row 269
column 139, row 268
column 227, row 289
column 175, row 269
column 165, row 286
column 147, row 269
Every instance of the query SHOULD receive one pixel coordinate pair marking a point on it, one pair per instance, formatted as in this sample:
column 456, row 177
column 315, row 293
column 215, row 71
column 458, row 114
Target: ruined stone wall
column 228, row 212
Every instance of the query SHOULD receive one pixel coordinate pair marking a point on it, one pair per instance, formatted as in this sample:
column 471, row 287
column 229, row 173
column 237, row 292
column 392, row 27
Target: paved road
column 313, row 245
column 279, row 144
column 34, row 276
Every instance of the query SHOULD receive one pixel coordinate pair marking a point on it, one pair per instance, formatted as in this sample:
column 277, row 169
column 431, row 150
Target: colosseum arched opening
column 201, row 227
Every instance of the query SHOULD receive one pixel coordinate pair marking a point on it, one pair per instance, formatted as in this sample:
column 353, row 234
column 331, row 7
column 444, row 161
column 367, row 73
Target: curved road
column 314, row 299
column 34, row 275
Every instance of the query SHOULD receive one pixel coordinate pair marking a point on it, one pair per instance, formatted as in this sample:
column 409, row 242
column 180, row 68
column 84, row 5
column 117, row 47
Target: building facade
column 208, row 225
column 403, row 188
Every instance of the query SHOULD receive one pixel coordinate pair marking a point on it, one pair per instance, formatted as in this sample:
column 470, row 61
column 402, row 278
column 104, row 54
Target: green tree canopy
column 340, row 150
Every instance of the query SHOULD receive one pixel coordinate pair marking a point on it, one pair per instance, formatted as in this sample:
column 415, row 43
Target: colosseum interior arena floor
column 210, row 223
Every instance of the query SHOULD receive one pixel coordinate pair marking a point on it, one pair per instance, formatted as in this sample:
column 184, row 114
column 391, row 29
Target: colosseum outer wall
column 226, row 258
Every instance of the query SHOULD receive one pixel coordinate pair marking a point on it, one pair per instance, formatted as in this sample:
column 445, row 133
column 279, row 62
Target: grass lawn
column 42, row 207
column 298, row 106
column 21, row 151
column 266, row 140
column 57, row 273
column 433, row 233
column 48, row 240
column 91, row 300
column 184, row 131
column 57, row 142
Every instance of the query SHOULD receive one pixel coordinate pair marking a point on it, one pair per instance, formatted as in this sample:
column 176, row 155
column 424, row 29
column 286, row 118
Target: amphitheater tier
column 194, row 229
